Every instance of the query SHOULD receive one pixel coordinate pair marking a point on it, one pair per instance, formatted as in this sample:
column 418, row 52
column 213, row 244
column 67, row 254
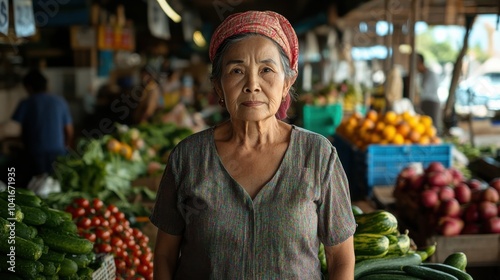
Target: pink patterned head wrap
column 267, row 23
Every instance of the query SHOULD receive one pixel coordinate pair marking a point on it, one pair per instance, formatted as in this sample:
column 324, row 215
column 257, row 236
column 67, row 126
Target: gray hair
column 216, row 74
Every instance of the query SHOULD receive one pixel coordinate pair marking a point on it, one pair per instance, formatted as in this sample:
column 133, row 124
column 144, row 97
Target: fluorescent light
column 405, row 49
column 198, row 39
column 169, row 11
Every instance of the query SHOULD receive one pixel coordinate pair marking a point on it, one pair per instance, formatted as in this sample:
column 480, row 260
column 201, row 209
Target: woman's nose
column 252, row 83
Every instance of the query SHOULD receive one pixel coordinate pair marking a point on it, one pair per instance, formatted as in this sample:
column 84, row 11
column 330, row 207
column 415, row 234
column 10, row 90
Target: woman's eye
column 237, row 71
column 267, row 69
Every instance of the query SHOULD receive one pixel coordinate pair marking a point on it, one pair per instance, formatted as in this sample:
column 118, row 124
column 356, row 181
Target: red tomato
column 112, row 220
column 120, row 264
column 116, row 241
column 122, row 255
column 96, row 221
column 146, row 258
column 113, row 209
column 143, row 269
column 120, row 216
column 104, row 248
column 78, row 212
column 70, row 209
column 82, row 202
column 103, row 234
column 90, row 236
column 130, row 243
column 106, row 213
column 117, row 228
column 135, row 261
column 84, row 223
column 137, row 233
column 97, row 203
column 104, row 222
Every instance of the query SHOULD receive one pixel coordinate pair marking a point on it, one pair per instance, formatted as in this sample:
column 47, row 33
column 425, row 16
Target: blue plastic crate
column 380, row 165
column 322, row 119
column 384, row 162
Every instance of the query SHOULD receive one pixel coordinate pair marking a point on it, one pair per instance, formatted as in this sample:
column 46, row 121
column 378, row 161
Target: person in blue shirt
column 47, row 125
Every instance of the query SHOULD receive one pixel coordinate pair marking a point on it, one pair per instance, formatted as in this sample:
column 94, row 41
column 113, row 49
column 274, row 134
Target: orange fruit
column 406, row 115
column 436, row 140
column 367, row 124
column 398, row 139
column 414, row 136
column 390, row 117
column 408, row 142
column 375, row 138
column 412, row 121
column 420, row 128
column 403, row 128
column 426, row 120
column 389, row 132
column 424, row 140
column 430, row 131
column 372, row 115
column 379, row 126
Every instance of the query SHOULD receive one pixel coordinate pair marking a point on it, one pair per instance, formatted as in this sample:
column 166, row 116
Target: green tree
column 440, row 52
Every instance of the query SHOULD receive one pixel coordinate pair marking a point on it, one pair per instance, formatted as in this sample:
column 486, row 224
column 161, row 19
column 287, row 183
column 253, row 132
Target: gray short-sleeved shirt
column 227, row 235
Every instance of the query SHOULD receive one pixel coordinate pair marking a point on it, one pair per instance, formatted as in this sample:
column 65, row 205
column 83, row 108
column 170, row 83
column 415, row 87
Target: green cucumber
column 68, row 268
column 81, row 260
column 23, row 199
column 53, row 256
column 22, row 247
column 387, row 263
column 369, row 244
column 427, row 273
column 25, row 191
column 50, row 268
column 4, row 226
column 68, row 226
column 33, row 216
column 25, row 231
column 66, row 243
column 461, row 275
column 53, row 218
column 378, row 221
column 85, row 273
column 25, row 268
column 63, row 214
column 10, row 210
column 423, row 255
column 457, row 259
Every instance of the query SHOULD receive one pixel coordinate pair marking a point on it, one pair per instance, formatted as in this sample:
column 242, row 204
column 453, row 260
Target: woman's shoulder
column 309, row 138
column 196, row 140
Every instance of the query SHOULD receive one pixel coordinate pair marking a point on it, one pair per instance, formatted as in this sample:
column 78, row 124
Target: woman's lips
column 252, row 103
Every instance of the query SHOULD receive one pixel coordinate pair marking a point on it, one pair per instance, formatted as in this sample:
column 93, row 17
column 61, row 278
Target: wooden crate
column 481, row 249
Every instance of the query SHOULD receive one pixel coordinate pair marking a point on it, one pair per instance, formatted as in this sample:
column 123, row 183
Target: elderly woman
column 253, row 197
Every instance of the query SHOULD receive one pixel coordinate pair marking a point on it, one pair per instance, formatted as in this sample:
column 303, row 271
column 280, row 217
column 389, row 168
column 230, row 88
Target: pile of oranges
column 388, row 128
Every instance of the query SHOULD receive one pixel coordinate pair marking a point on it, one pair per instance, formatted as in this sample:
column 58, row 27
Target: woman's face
column 253, row 80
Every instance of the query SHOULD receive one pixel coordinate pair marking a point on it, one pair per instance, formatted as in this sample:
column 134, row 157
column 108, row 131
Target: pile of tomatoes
column 111, row 233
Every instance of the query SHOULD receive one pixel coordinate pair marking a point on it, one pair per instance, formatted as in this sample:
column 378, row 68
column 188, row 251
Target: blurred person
column 394, row 93
column 46, row 125
column 253, row 197
column 149, row 100
column 429, row 102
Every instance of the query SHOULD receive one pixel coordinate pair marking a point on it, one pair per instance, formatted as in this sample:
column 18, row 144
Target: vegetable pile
column 382, row 252
column 107, row 227
column 449, row 203
column 43, row 242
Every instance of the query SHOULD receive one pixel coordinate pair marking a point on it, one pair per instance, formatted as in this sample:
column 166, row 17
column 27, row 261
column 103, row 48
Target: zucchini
column 23, row 248
column 24, row 199
column 68, row 268
column 369, row 244
column 25, row 231
column 33, row 216
column 399, row 245
column 461, row 275
column 387, row 263
column 457, row 260
column 25, row 268
column 10, row 210
column 53, row 218
column 53, row 256
column 66, row 243
column 50, row 268
column 378, row 221
column 423, row 255
column 427, row 273
column 25, row 191
column 356, row 210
